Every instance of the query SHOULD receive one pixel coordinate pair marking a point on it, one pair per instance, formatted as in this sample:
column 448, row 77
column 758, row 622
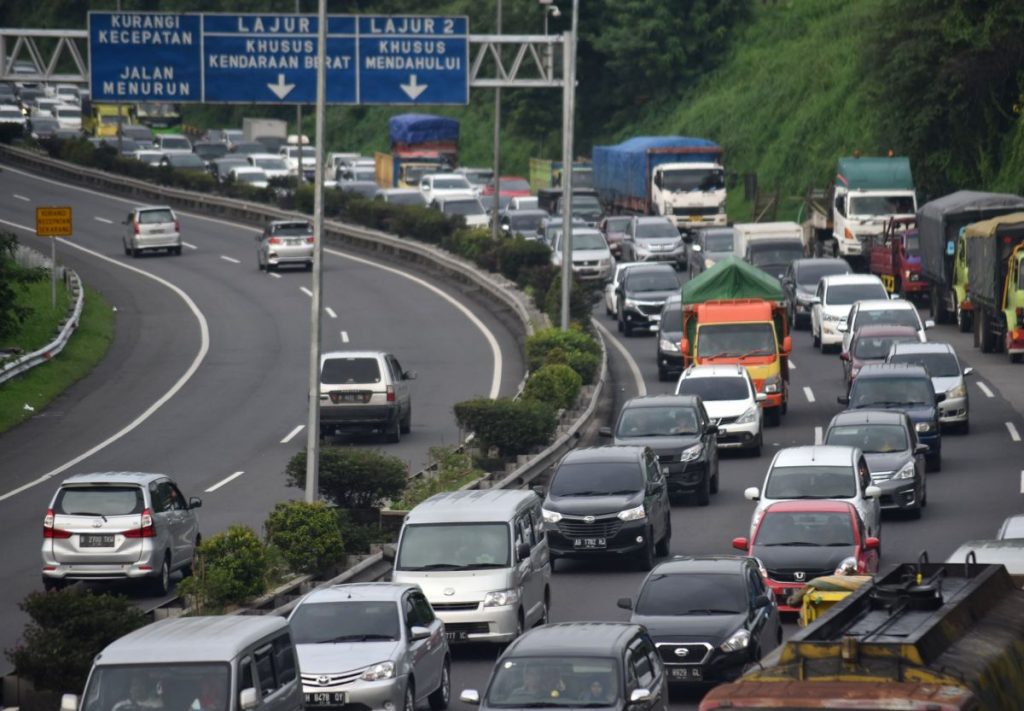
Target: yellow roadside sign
column 53, row 221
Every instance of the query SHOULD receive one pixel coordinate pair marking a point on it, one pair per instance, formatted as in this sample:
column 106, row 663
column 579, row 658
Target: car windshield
column 350, row 371
column 99, row 501
column 693, row 179
column 210, row 150
column 672, row 319
column 912, row 244
column 713, row 389
column 250, row 176
column 734, row 340
column 530, row 222
column 410, row 198
column 588, row 240
column 69, row 113
column 640, row 281
column 811, row 482
column 176, row 142
column 869, row 205
column 583, row 206
column 454, row 546
column 891, row 392
column 362, row 173
column 767, row 256
column 414, row 173
column 150, row 217
column 871, row 438
column 810, row 273
column 514, row 184
column 886, row 317
column 293, row 228
column 184, row 160
column 693, row 594
column 657, row 421
column 846, row 294
column 877, row 347
column 167, row 685
column 597, row 479
column 656, row 230
column 799, row 528
column 719, row 243
column 463, row 207
column 270, row 163
column 554, row 682
column 938, row 365
column 455, row 182
column 344, row 621
column 617, row 224
column 11, row 113
column 582, row 177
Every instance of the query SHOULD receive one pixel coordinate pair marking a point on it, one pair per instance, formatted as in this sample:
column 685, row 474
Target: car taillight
column 177, row 225
column 49, row 531
column 309, row 240
column 274, row 240
column 391, row 393
column 135, row 227
column 146, row 530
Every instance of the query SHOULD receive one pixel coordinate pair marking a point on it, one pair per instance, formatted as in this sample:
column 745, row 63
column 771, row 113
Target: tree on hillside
column 11, row 277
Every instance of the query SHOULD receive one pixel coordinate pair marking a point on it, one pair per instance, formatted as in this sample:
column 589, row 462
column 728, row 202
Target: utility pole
column 496, row 210
column 298, row 122
column 568, row 108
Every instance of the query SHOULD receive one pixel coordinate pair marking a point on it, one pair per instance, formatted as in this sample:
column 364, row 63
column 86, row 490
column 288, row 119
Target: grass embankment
column 39, row 386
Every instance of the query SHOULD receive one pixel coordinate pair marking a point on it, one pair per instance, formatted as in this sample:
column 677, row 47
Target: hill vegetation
column 785, row 86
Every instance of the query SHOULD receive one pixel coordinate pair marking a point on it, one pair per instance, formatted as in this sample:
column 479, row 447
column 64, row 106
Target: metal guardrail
column 44, row 354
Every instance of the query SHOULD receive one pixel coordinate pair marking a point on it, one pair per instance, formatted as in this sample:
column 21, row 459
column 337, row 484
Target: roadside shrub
column 574, row 348
column 512, row 426
column 77, row 150
column 352, row 478
column 474, row 244
column 65, row 631
column 454, row 469
column 536, row 281
column 375, row 214
column 555, row 384
column 514, row 256
column 307, row 535
column 357, row 536
column 580, row 302
column 231, row 568
column 422, row 223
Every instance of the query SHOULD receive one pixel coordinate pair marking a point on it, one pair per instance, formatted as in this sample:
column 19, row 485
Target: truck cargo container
column 420, row 144
column 995, row 256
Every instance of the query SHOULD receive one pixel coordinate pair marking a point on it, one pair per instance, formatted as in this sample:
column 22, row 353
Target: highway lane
column 240, row 410
column 980, row 484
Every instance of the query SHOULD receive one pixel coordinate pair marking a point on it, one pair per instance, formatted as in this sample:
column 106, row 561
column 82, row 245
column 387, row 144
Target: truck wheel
column 988, row 338
column 773, row 416
column 963, row 320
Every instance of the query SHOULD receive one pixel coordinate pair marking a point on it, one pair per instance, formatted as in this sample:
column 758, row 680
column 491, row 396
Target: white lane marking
column 473, row 318
column 330, row 312
column 275, row 275
column 22, row 197
column 809, row 393
column 819, row 435
column 792, row 365
column 1014, row 434
column 985, row 389
column 344, row 336
column 224, row 481
column 306, row 291
column 638, row 378
column 1022, row 481
column 189, row 245
column 230, row 259
column 288, row 437
column 104, row 220
column 204, row 347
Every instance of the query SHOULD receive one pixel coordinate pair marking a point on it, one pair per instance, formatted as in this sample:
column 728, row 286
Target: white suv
column 881, row 312
column 832, row 300
column 731, row 401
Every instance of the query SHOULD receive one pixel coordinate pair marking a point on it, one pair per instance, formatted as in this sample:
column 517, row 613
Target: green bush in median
column 352, row 478
column 307, row 535
column 573, row 348
column 513, row 426
column 454, row 469
column 231, row 568
column 554, row 384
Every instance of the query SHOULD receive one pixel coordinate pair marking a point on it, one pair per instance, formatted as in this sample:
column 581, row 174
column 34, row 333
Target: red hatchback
column 511, row 186
column 871, row 344
column 797, row 541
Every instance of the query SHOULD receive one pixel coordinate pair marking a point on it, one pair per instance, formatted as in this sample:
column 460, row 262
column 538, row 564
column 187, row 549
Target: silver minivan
column 151, row 228
column 365, row 391
column 225, row 663
column 481, row 558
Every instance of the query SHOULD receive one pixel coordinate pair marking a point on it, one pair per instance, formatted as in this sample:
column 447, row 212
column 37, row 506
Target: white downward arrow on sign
column 281, row 89
column 412, row 89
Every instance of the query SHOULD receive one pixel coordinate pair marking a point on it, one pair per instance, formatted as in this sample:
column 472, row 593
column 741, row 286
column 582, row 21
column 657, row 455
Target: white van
column 482, row 560
column 223, row 663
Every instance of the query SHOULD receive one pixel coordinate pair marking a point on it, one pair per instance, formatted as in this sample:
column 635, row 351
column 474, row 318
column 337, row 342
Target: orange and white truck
column 734, row 313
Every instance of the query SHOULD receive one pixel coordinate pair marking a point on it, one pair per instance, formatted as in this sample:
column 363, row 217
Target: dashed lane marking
column 288, row 437
column 224, row 481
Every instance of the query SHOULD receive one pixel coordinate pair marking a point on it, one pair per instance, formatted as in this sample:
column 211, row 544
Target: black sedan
column 709, row 616
column 800, row 282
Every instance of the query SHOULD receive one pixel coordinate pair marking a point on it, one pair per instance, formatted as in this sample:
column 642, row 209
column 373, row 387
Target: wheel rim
column 446, row 683
column 165, row 576
column 410, row 700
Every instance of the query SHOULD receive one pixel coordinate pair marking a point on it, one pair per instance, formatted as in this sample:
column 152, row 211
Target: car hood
column 836, row 310
column 942, row 384
column 346, row 656
column 662, row 445
column 887, row 461
column 809, row 557
column 455, row 585
column 585, row 255
column 651, row 296
column 690, row 628
column 806, row 290
column 726, row 408
column 593, row 505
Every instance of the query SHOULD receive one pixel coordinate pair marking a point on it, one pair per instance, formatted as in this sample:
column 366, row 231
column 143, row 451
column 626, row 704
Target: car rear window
column 292, row 228
column 717, row 388
column 350, row 371
column 99, row 501
column 149, row 217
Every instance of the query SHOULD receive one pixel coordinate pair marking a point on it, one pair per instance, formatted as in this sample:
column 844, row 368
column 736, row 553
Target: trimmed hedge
column 232, row 568
column 352, row 478
column 555, row 385
column 512, row 426
column 454, row 469
column 574, row 348
column 307, row 535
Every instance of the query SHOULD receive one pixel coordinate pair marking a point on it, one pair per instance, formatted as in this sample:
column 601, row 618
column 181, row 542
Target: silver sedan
column 285, row 242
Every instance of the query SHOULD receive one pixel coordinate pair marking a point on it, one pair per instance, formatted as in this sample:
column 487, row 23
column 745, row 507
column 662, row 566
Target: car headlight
column 379, row 672
column 737, row 641
column 773, row 384
column 958, row 391
column 847, row 567
column 691, row 453
column 668, row 345
column 605, row 262
column 748, row 417
column 643, row 247
column 629, row 304
column 501, row 598
column 906, row 471
column 551, row 516
column 923, row 427
column 637, row 513
column 721, row 208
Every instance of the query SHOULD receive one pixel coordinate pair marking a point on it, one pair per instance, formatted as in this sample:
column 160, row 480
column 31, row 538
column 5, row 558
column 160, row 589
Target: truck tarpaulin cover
column 623, row 170
column 875, row 173
column 422, row 128
column 989, row 244
column 732, row 278
column 939, row 222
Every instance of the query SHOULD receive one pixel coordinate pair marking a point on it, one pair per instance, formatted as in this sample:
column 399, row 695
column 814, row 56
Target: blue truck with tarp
column 420, row 144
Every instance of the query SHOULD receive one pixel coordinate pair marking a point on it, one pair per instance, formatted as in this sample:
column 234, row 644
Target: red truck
column 895, row 256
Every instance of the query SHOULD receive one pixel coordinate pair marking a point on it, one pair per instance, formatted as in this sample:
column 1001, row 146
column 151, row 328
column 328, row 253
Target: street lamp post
column 568, row 109
column 495, row 212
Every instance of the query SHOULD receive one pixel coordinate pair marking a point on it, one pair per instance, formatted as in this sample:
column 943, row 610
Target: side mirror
column 787, row 344
column 939, row 397
column 247, row 699
column 409, row 375
column 842, row 327
column 762, row 600
column 605, row 432
column 760, row 397
column 69, row 702
column 751, row 493
column 741, row 544
column 195, row 502
column 523, row 551
column 968, row 370
column 929, row 324
column 470, row 696
column 417, row 632
column 538, row 490
column 626, row 603
column 845, row 355
column 872, row 544
column 843, row 399
column 684, row 346
column 640, row 696
column 711, row 429
column 872, row 492
column 922, row 449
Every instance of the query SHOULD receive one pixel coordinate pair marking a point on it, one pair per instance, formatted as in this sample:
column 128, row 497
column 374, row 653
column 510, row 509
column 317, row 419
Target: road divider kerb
column 638, row 378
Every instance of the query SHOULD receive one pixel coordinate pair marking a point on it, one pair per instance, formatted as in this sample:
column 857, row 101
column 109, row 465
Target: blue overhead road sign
column 272, row 59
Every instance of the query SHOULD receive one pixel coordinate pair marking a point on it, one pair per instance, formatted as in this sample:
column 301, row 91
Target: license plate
column 696, row 218
column 97, row 541
column 456, row 635
column 590, row 543
column 294, row 242
column 325, row 698
column 685, row 673
column 350, row 397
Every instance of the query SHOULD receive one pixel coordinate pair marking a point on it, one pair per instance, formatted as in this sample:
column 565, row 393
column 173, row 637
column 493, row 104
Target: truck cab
column 692, row 195
column 867, row 193
column 895, row 257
